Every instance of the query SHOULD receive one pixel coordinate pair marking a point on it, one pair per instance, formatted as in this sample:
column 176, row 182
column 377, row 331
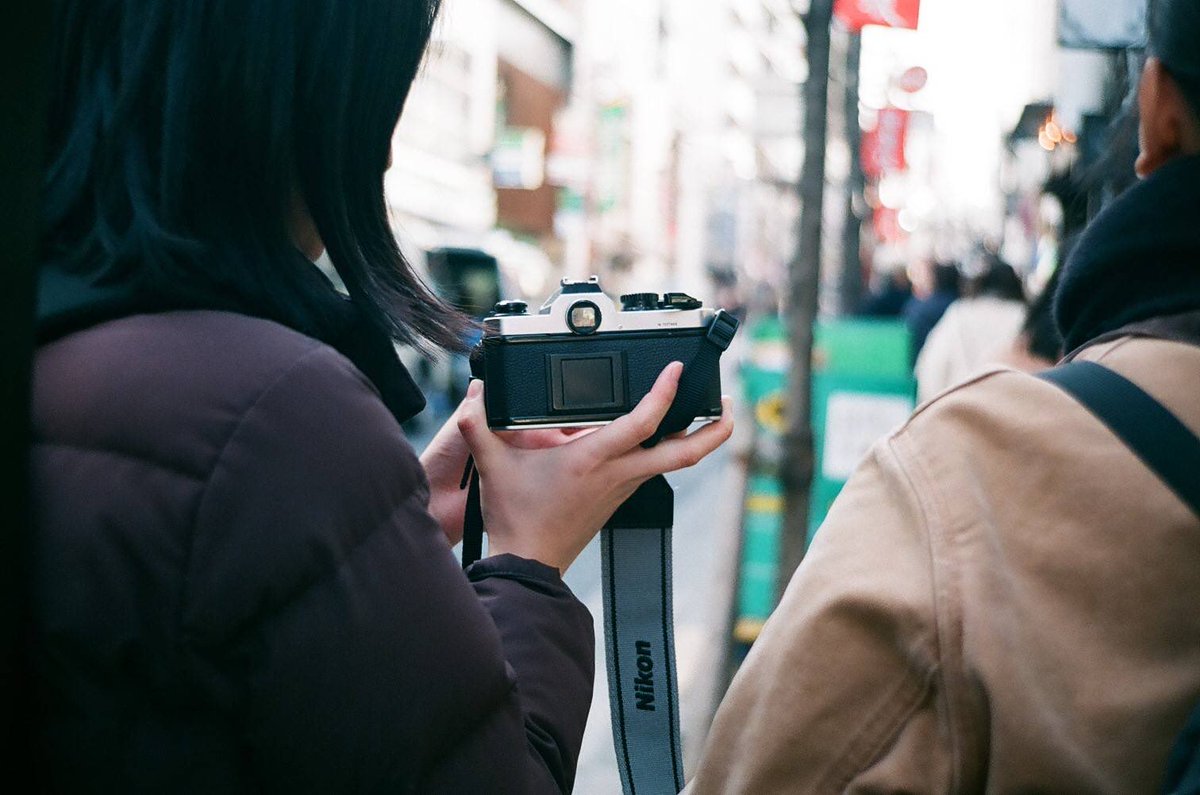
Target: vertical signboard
column 863, row 389
column 764, row 381
column 883, row 147
column 857, row 14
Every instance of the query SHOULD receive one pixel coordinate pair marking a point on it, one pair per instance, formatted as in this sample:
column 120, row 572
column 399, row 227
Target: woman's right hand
column 548, row 504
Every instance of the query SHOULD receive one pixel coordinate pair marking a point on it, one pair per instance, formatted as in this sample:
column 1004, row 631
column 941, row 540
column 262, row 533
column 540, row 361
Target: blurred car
column 470, row 280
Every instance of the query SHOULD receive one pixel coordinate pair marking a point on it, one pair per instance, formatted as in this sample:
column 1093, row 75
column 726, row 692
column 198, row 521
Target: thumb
column 472, row 424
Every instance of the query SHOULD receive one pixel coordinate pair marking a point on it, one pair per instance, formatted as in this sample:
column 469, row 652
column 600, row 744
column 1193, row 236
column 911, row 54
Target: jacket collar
column 69, row 302
column 1184, row 327
column 1138, row 261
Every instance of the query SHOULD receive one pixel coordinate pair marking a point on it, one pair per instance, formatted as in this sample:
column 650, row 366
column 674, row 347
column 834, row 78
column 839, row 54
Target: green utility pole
column 803, row 288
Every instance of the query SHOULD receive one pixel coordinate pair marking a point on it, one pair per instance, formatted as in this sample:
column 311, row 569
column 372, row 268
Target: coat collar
column 1138, row 261
column 69, row 302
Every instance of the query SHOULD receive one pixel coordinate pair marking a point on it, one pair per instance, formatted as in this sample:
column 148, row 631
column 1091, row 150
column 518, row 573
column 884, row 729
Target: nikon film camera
column 582, row 361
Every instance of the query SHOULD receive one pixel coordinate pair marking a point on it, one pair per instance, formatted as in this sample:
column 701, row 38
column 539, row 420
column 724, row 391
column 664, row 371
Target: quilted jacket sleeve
column 357, row 655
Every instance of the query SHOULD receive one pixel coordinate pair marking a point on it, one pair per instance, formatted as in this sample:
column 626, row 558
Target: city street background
column 882, row 191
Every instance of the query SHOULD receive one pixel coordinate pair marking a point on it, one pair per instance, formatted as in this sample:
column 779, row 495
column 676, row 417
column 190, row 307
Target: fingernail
column 676, row 370
column 474, row 389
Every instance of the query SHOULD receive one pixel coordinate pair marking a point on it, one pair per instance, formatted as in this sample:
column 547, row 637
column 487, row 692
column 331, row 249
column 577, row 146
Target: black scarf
column 68, row 302
column 1138, row 263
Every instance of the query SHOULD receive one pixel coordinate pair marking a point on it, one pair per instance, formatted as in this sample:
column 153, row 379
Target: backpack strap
column 1172, row 452
column 1160, row 440
column 1183, row 766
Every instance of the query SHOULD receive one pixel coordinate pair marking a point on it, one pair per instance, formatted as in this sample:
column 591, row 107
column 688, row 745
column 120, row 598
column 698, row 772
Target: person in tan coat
column 1005, row 598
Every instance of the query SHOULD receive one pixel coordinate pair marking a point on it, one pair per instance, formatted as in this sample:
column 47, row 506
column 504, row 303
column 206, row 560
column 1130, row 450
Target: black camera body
column 581, row 361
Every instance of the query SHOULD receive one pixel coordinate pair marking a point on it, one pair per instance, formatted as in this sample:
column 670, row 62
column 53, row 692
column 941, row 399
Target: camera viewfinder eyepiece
column 584, row 317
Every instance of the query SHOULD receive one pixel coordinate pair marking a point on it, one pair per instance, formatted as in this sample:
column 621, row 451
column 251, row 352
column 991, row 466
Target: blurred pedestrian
column 889, row 298
column 923, row 311
column 242, row 573
column 1003, row 597
column 976, row 330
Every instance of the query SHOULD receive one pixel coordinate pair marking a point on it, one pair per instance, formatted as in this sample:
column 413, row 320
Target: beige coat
column 1003, row 599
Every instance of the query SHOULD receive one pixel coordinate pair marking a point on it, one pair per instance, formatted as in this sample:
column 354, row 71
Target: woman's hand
column 445, row 458
column 546, row 504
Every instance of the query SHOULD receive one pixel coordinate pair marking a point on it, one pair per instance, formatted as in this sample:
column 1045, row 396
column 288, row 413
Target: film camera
column 580, row 360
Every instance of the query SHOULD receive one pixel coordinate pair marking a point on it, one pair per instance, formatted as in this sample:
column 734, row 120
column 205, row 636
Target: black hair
column 947, row 278
column 1040, row 332
column 1175, row 40
column 999, row 280
column 185, row 136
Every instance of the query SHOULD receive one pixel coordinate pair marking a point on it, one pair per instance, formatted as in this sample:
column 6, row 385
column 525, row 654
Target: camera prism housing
column 581, row 360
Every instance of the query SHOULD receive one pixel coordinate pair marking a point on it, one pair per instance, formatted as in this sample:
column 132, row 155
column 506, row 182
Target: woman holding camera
column 243, row 576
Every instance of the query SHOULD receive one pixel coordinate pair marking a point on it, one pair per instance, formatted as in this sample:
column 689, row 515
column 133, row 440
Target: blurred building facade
column 998, row 142
column 654, row 142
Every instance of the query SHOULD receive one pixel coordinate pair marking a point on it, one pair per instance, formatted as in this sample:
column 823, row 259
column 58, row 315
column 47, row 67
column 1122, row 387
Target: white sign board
column 854, row 421
column 1102, row 24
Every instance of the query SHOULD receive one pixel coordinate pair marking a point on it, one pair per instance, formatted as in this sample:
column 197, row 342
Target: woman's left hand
column 445, row 458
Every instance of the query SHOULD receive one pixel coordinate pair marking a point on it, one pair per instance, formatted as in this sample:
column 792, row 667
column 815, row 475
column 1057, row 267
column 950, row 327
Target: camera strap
column 639, row 633
column 639, row 626
column 639, row 639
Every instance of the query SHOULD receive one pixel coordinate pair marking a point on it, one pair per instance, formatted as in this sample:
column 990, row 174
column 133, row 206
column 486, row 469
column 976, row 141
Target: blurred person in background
column 242, row 573
column 976, row 330
column 1003, row 597
column 932, row 296
column 890, row 295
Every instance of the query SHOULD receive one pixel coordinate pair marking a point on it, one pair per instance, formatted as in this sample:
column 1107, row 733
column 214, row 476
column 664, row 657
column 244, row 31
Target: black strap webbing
column 1156, row 435
column 1172, row 452
column 698, row 373
column 472, row 542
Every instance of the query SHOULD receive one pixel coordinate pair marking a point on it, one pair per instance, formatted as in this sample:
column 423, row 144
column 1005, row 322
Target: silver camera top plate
column 555, row 316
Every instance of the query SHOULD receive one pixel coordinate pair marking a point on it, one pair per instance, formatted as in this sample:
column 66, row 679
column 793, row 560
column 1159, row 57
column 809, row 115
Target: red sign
column 855, row 14
column 883, row 147
column 886, row 224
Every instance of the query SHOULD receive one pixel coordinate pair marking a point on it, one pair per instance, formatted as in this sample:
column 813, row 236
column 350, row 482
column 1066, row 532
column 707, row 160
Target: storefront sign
column 883, row 147
column 856, row 14
column 519, row 159
column 886, row 223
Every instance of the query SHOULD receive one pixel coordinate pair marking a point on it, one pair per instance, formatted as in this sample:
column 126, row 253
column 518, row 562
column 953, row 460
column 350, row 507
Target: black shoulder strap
column 1156, row 435
column 1172, row 451
column 1183, row 765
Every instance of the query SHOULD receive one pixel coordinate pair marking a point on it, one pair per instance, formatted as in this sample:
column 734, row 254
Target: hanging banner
column 883, row 147
column 856, row 14
column 886, row 223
